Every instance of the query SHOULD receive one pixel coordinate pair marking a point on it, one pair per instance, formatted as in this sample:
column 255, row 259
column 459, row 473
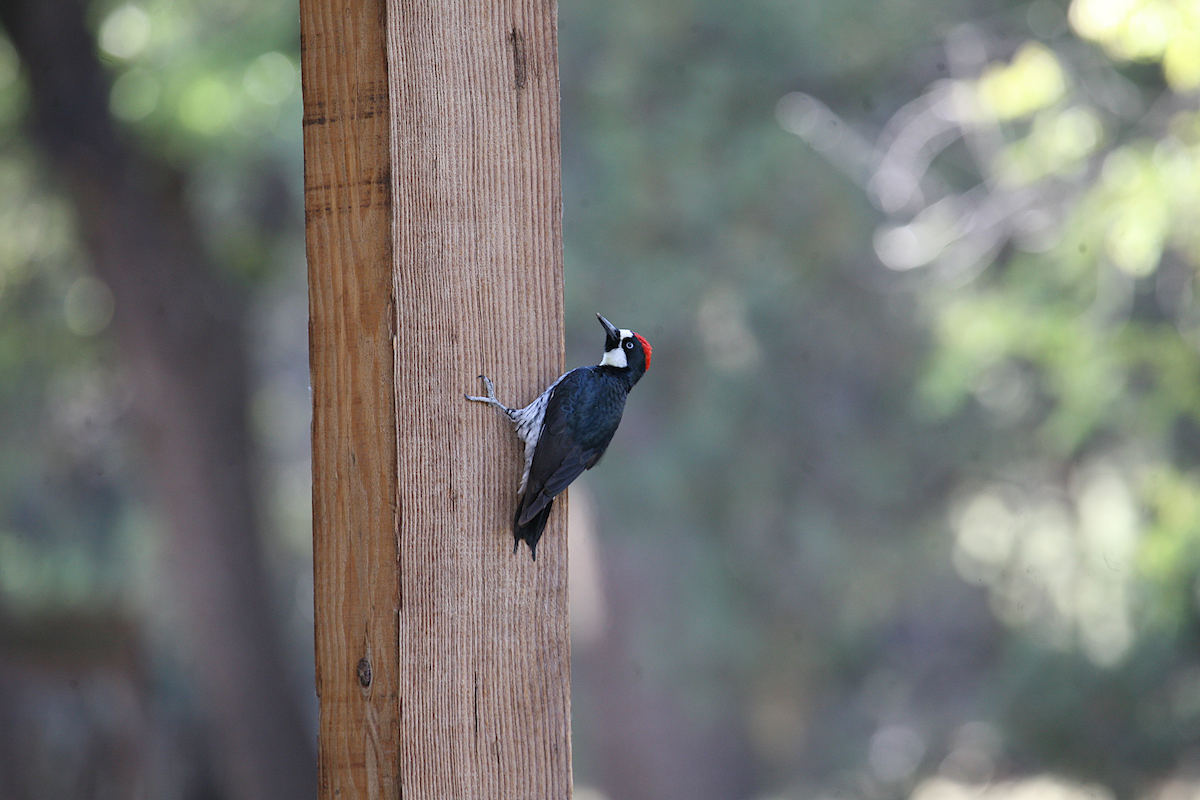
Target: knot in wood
column 364, row 672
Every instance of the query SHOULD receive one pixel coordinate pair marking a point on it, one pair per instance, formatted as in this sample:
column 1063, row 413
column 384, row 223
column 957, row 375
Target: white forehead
column 616, row 356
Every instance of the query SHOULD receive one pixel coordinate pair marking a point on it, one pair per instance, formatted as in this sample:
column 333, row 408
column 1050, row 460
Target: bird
column 568, row 426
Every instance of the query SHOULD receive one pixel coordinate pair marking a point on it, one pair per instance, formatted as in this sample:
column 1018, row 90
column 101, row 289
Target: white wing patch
column 616, row 356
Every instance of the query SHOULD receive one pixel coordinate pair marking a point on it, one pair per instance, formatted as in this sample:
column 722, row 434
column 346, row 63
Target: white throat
column 616, row 356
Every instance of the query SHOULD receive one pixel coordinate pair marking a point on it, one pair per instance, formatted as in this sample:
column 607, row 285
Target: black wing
column 563, row 450
column 538, row 496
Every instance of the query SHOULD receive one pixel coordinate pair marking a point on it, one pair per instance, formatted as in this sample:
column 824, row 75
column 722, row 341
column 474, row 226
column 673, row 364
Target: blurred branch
column 955, row 233
column 180, row 333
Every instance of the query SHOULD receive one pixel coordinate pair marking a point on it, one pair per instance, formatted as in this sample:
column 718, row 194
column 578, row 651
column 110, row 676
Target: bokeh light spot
column 1034, row 80
column 270, row 78
column 125, row 32
column 207, row 106
column 88, row 306
column 134, row 95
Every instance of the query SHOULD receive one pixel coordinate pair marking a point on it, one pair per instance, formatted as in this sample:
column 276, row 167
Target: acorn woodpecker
column 568, row 427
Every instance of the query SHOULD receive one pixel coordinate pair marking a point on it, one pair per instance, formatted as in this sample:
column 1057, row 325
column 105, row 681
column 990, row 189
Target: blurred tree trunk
column 180, row 333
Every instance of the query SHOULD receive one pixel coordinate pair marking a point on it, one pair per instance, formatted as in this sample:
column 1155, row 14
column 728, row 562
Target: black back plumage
column 582, row 414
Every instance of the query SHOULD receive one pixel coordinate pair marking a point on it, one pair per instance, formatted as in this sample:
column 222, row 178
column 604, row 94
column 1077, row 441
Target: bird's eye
column 629, row 345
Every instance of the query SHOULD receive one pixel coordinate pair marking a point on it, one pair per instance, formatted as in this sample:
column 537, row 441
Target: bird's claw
column 491, row 393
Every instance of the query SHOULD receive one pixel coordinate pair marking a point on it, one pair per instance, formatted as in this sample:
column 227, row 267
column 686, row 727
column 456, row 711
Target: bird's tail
column 531, row 531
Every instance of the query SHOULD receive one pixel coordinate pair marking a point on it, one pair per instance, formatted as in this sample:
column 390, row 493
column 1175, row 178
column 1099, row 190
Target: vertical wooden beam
column 433, row 185
column 348, row 210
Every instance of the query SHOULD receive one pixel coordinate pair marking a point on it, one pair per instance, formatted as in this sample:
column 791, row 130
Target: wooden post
column 432, row 194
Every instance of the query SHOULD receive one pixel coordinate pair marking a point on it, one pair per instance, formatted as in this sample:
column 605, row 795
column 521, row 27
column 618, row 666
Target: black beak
column 610, row 329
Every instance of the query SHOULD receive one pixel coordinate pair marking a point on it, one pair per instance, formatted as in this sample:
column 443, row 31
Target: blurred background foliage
column 909, row 505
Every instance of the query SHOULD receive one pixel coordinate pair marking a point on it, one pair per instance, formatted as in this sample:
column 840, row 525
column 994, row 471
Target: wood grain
column 469, row 697
column 348, row 212
column 485, row 670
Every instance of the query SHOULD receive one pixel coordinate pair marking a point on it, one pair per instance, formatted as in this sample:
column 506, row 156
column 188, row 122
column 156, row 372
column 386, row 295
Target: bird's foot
column 491, row 396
